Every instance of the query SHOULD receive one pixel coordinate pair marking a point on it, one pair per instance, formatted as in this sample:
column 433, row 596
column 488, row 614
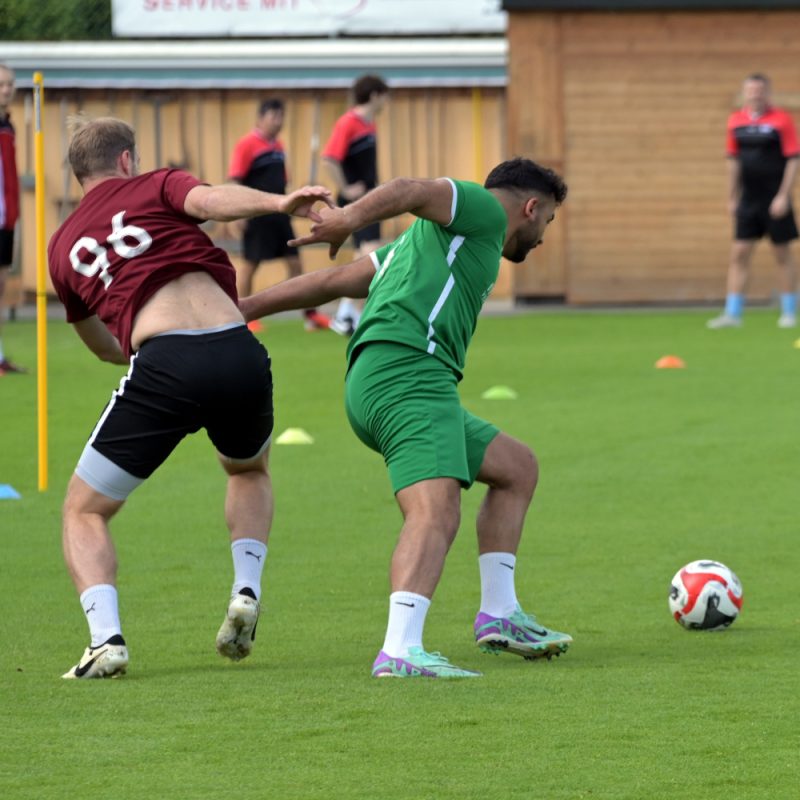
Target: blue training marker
column 8, row 492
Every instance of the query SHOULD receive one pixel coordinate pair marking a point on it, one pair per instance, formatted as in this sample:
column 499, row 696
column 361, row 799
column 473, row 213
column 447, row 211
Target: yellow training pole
column 41, row 280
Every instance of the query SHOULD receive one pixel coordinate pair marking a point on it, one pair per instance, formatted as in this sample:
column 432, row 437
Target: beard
column 520, row 249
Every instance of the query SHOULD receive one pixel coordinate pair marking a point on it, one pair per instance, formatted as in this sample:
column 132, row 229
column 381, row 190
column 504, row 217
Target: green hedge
column 54, row 20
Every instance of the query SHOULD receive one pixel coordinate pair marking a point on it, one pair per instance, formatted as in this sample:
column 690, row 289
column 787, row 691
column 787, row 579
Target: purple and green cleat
column 519, row 633
column 418, row 664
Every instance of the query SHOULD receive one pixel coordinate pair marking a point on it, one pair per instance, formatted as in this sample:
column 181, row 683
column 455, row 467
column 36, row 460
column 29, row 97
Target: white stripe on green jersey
column 431, row 282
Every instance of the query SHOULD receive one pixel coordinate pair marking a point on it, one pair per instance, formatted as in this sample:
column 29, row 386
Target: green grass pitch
column 642, row 470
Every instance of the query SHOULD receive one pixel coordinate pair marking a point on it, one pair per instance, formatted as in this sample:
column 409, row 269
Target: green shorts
column 404, row 404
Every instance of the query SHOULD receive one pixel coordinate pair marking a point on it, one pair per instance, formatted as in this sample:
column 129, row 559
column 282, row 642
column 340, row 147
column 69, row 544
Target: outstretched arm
column 429, row 199
column 229, row 201
column 312, row 289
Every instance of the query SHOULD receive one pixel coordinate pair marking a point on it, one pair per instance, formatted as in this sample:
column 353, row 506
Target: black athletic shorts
column 372, row 233
column 265, row 238
column 6, row 248
column 178, row 383
column 753, row 221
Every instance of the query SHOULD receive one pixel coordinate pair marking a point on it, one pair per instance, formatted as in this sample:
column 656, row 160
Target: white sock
column 407, row 613
column 102, row 613
column 347, row 308
column 498, row 595
column 249, row 556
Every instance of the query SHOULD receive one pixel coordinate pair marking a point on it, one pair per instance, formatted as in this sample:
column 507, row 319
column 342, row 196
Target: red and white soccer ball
column 706, row 596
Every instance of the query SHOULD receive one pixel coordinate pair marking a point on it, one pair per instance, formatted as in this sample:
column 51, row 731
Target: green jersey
column 431, row 282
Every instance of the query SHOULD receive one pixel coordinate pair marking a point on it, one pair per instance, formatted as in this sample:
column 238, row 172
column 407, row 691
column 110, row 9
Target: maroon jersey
column 127, row 239
column 9, row 183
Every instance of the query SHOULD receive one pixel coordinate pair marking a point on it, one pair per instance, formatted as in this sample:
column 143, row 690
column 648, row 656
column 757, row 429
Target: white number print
column 91, row 269
column 117, row 239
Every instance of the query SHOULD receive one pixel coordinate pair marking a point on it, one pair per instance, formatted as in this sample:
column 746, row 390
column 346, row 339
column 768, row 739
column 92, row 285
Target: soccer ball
column 705, row 595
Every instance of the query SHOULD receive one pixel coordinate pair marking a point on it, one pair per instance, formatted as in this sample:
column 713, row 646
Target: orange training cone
column 670, row 362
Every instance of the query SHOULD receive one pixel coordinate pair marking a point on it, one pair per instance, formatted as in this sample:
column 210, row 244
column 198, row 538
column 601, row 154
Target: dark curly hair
column 522, row 174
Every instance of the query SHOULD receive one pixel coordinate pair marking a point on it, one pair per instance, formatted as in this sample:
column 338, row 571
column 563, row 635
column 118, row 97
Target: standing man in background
column 351, row 158
column 259, row 161
column 9, row 198
column 763, row 157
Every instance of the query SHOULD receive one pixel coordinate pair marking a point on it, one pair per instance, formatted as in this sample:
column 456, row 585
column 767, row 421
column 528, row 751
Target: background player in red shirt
column 9, row 198
column 763, row 154
column 258, row 160
column 351, row 158
column 141, row 281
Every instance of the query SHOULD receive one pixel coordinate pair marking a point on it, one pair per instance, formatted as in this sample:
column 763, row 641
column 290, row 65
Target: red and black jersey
column 352, row 143
column 762, row 145
column 127, row 238
column 259, row 163
column 9, row 183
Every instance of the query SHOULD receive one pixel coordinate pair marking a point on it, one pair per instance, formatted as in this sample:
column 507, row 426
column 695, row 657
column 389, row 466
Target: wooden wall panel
column 645, row 101
column 421, row 133
column 536, row 130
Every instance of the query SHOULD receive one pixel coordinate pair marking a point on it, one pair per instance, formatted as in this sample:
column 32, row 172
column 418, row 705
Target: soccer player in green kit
column 424, row 293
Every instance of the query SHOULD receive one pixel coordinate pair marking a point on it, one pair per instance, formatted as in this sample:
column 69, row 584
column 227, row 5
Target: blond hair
column 96, row 144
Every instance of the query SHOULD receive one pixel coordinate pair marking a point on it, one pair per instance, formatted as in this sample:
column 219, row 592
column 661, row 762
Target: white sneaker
column 724, row 321
column 235, row 637
column 787, row 321
column 108, row 660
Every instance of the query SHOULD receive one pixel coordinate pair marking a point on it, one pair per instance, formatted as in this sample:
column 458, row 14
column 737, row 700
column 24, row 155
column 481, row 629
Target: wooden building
column 629, row 99
column 190, row 102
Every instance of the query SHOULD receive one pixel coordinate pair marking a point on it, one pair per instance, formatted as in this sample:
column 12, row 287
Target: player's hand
column 779, row 207
column 333, row 227
column 301, row 202
column 353, row 191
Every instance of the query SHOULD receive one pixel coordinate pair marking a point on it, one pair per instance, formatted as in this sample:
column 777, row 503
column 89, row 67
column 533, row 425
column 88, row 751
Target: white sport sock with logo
column 100, row 605
column 249, row 556
column 407, row 612
column 498, row 595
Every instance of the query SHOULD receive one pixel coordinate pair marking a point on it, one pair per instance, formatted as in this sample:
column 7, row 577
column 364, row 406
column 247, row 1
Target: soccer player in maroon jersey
column 9, row 198
column 763, row 155
column 351, row 158
column 258, row 160
column 143, row 285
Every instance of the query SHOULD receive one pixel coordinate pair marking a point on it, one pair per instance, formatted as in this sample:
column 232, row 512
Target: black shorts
column 372, row 233
column 178, row 383
column 265, row 238
column 6, row 248
column 753, row 221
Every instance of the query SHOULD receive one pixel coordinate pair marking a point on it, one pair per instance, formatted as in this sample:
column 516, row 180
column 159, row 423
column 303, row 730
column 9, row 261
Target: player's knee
column 81, row 500
column 440, row 519
column 525, row 471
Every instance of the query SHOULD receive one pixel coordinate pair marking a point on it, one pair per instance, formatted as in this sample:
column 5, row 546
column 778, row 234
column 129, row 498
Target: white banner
column 268, row 18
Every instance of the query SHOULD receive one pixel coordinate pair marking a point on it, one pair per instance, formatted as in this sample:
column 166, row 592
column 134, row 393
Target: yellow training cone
column 797, row 343
column 670, row 362
column 294, row 436
column 499, row 393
